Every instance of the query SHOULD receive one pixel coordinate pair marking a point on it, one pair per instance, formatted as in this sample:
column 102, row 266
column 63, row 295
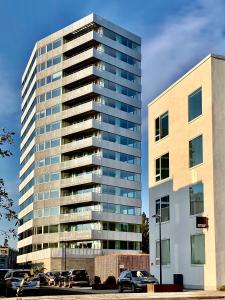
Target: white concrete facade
column 180, row 228
column 81, row 142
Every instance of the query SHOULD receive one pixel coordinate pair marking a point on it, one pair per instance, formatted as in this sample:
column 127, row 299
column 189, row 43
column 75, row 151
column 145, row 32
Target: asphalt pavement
column 78, row 293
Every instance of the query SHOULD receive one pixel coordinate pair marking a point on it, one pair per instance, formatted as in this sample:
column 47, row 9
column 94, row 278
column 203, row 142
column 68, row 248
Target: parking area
column 53, row 291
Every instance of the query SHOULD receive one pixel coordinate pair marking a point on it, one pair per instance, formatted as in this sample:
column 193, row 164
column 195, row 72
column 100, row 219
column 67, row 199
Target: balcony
column 81, row 161
column 77, row 180
column 77, row 110
column 79, row 76
column 78, row 127
column 81, row 40
column 78, row 93
column 76, row 217
column 89, row 142
column 80, row 198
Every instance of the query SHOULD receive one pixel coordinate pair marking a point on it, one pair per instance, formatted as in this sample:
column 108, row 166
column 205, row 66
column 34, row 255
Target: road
column 53, row 291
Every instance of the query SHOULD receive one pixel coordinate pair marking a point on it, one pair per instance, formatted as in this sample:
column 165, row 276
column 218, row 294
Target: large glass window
column 195, row 105
column 196, row 195
column 195, row 151
column 162, row 208
column 162, row 167
column 161, row 126
column 198, row 249
column 165, row 252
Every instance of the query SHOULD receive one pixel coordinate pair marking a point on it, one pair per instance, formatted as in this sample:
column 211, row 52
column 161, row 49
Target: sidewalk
column 133, row 296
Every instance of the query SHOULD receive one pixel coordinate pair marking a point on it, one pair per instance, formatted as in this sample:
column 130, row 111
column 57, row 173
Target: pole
column 65, row 254
column 160, row 252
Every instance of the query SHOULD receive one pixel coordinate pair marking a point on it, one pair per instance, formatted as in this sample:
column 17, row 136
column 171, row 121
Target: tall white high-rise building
column 80, row 187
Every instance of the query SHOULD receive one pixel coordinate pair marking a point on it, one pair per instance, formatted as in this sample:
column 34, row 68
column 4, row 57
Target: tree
column 145, row 233
column 6, row 204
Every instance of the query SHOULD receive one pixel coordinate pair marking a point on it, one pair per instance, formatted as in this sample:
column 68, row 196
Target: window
column 198, row 249
column 195, row 151
column 162, row 208
column 162, row 167
column 161, row 126
column 196, row 198
column 195, row 105
column 165, row 252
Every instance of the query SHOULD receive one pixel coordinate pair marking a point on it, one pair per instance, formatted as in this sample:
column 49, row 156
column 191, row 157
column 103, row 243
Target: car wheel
column 120, row 288
column 133, row 288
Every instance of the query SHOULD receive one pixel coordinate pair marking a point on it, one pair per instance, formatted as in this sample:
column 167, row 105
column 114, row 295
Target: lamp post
column 65, row 255
column 159, row 219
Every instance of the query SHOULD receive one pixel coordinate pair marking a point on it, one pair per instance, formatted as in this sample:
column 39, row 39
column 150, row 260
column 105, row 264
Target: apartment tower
column 186, row 177
column 80, row 190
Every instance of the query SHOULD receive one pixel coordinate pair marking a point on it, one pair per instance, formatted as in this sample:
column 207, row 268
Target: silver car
column 12, row 281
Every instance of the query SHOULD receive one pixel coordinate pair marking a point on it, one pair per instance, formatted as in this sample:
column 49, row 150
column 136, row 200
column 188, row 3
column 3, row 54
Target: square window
column 195, row 151
column 195, row 105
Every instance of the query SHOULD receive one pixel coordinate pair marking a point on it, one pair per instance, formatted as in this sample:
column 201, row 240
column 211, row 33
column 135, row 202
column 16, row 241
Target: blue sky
column 175, row 34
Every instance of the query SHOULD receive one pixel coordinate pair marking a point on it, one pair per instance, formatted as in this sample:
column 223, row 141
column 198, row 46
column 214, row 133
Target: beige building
column 80, row 190
column 186, row 176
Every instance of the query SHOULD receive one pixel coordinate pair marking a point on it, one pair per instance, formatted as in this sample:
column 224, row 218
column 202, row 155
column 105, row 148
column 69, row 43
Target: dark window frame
column 159, row 131
column 159, row 171
column 190, row 97
column 192, row 163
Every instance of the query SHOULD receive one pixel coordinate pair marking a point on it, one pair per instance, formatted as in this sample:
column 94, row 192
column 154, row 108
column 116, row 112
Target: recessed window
column 196, row 198
column 195, row 151
column 198, row 249
column 165, row 252
column 195, row 105
column 162, row 167
column 162, row 208
column 161, row 126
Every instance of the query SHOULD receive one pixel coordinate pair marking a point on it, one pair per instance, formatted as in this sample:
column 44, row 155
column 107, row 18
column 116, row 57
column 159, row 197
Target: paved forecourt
column 102, row 296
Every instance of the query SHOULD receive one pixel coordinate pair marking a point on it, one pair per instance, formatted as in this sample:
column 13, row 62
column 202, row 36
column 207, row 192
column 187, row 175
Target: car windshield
column 20, row 274
column 64, row 273
column 141, row 273
column 80, row 273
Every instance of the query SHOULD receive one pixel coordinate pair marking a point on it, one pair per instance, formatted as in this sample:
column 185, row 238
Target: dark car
column 135, row 280
column 62, row 279
column 50, row 276
column 43, row 279
column 78, row 277
column 2, row 275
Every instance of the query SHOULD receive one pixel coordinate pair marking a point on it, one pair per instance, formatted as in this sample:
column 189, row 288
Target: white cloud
column 180, row 43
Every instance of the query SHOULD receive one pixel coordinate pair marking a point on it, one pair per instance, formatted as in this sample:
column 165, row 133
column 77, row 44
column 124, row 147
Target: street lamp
column 65, row 255
column 159, row 219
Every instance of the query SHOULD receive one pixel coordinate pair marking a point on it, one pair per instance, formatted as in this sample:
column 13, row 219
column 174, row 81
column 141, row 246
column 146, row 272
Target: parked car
column 135, row 280
column 2, row 275
column 62, row 279
column 13, row 278
column 78, row 277
column 43, row 279
column 50, row 276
